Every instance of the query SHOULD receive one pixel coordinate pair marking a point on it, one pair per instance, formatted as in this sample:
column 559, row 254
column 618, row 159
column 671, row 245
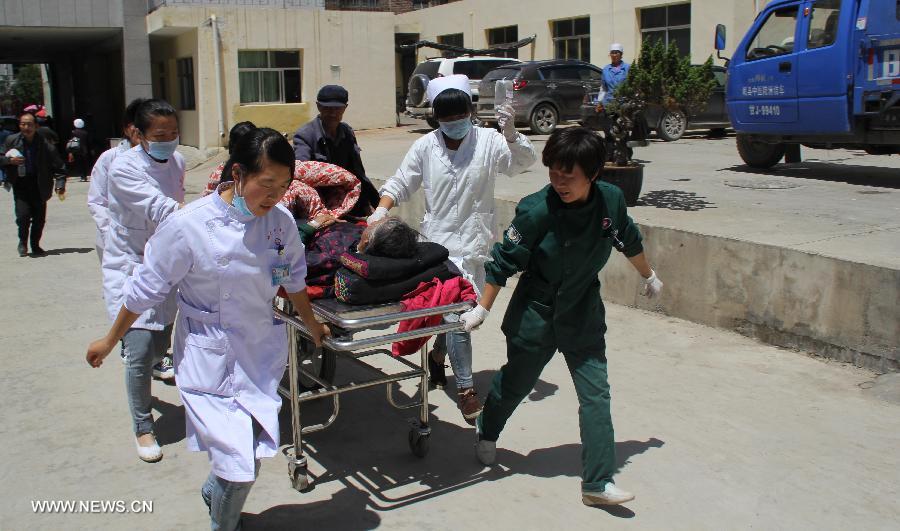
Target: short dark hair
column 451, row 102
column 258, row 145
column 29, row 113
column 393, row 238
column 131, row 111
column 575, row 145
column 145, row 112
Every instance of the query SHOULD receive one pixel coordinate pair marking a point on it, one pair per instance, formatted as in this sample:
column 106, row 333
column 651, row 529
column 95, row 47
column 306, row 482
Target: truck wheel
column 544, row 119
column 432, row 123
column 758, row 154
column 672, row 125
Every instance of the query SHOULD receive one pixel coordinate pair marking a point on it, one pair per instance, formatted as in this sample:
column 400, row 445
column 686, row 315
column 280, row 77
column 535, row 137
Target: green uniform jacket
column 561, row 250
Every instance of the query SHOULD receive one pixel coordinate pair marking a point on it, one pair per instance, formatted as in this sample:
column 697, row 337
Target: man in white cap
column 79, row 151
column 615, row 72
column 456, row 165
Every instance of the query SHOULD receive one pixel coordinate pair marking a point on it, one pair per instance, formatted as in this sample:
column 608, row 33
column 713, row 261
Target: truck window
column 823, row 23
column 775, row 36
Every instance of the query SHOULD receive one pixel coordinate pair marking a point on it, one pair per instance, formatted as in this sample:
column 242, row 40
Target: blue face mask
column 240, row 204
column 457, row 129
column 162, row 150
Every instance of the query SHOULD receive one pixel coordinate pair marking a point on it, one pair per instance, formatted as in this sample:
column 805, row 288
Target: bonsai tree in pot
column 660, row 79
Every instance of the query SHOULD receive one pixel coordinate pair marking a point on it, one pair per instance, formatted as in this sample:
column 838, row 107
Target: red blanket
column 430, row 295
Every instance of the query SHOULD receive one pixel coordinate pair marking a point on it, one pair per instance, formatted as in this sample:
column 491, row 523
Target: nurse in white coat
column 145, row 186
column 98, row 192
column 457, row 166
column 227, row 254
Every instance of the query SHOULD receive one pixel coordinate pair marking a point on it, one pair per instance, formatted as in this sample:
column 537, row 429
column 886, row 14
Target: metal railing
column 284, row 4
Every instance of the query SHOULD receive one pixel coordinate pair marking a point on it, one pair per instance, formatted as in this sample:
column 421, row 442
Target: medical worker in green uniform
column 560, row 238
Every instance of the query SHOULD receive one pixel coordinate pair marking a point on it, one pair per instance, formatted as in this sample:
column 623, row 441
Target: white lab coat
column 459, row 190
column 142, row 193
column 98, row 192
column 230, row 353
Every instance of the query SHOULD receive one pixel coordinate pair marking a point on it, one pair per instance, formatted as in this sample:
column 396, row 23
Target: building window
column 269, row 76
column 504, row 36
column 670, row 24
column 161, row 81
column 572, row 39
column 453, row 39
column 359, row 4
column 186, row 83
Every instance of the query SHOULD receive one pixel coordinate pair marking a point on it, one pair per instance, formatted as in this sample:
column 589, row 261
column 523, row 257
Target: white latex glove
column 473, row 318
column 652, row 286
column 507, row 122
column 379, row 214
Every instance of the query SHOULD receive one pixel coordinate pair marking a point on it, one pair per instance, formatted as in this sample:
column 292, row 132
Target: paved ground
column 713, row 430
column 836, row 203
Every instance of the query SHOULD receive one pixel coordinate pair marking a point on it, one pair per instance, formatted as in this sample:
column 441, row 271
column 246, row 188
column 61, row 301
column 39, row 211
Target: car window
column 476, row 69
column 589, row 74
column 501, row 73
column 561, row 73
column 823, row 23
column 429, row 68
column 775, row 36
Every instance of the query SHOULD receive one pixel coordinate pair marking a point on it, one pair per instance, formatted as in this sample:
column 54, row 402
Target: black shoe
column 436, row 376
column 23, row 251
column 37, row 251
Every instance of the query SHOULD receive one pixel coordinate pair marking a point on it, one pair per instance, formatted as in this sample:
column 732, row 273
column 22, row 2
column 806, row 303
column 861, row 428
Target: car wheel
column 758, row 154
column 544, row 119
column 672, row 125
column 432, row 123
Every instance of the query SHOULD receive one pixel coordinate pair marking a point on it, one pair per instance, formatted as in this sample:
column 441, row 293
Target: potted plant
column 660, row 80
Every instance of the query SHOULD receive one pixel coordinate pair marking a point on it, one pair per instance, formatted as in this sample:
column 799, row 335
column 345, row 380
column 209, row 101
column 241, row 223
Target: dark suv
column 546, row 93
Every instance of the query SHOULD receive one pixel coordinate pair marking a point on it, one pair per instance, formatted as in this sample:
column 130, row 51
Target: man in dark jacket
column 79, row 151
column 327, row 139
column 32, row 176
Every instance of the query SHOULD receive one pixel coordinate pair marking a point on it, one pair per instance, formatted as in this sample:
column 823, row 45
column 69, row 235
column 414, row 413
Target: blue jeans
column 458, row 347
column 225, row 499
column 142, row 349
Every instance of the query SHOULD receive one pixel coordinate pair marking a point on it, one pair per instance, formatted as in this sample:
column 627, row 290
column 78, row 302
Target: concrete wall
column 353, row 49
column 167, row 51
column 611, row 21
column 829, row 307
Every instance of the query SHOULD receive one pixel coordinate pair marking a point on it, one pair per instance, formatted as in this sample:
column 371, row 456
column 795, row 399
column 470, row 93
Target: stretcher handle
column 350, row 345
column 390, row 318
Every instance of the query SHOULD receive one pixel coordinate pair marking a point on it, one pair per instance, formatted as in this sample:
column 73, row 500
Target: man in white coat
column 146, row 185
column 457, row 166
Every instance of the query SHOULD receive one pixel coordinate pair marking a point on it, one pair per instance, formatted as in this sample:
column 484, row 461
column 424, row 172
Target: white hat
column 78, row 123
column 617, row 47
column 440, row 84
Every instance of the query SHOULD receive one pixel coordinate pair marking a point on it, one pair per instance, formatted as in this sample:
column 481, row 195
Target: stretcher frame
column 344, row 346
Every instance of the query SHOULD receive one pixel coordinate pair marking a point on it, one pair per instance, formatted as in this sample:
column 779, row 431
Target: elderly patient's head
column 389, row 237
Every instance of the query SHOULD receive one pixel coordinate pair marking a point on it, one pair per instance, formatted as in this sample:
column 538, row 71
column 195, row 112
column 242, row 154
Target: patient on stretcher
column 390, row 237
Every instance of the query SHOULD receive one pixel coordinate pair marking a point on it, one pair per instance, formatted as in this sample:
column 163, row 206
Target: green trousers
column 516, row 379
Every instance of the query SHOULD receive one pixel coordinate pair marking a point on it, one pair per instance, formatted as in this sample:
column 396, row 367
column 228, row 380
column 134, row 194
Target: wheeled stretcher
column 311, row 370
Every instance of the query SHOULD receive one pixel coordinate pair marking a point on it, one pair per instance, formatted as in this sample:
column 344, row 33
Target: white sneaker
column 611, row 495
column 149, row 454
column 485, row 451
column 165, row 369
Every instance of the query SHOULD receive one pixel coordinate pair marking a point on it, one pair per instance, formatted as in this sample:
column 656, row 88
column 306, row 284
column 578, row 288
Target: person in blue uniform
column 560, row 239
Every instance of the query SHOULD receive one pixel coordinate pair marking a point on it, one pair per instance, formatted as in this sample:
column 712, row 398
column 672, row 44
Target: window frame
column 667, row 28
column 809, row 27
column 511, row 54
column 579, row 37
column 281, row 74
column 773, row 13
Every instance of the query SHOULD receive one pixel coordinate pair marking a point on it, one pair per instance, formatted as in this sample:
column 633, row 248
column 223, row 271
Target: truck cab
column 820, row 73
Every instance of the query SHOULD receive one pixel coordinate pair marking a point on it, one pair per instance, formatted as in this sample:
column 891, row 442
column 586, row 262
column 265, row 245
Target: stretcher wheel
column 321, row 362
column 419, row 443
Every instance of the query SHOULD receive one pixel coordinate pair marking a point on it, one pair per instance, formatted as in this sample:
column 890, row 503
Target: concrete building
column 223, row 61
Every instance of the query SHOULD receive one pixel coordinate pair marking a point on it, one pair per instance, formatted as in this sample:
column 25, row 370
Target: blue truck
column 817, row 73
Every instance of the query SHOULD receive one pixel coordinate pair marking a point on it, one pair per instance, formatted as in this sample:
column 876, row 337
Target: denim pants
column 142, row 349
column 458, row 347
column 225, row 499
